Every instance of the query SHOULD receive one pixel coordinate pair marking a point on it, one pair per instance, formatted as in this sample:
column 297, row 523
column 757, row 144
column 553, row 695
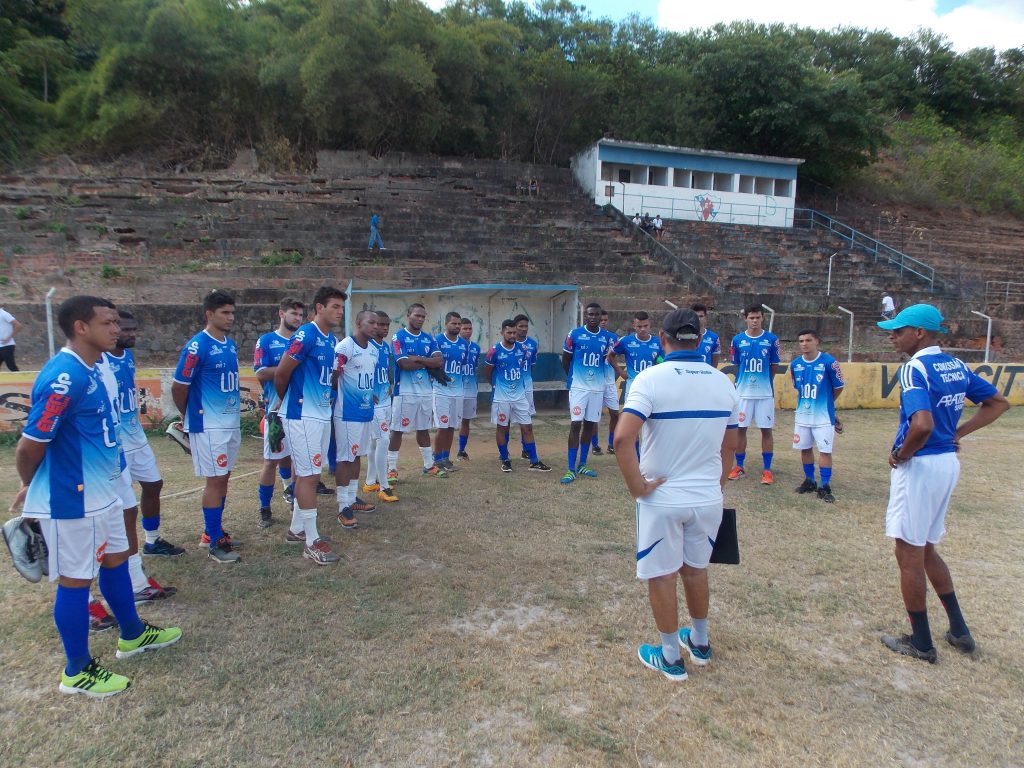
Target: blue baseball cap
column 916, row 316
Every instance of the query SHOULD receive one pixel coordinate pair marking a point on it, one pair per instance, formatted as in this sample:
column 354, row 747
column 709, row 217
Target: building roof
column 700, row 152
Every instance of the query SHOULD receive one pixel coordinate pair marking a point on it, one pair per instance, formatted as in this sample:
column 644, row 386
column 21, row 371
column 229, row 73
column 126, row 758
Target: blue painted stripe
column 635, row 413
column 644, row 553
column 691, row 415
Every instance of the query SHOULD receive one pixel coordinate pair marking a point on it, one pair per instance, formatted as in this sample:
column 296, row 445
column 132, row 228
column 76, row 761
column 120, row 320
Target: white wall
column 701, row 205
column 587, row 172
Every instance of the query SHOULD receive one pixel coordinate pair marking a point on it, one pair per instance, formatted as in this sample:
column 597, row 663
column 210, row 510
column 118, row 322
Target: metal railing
column 720, row 212
column 1004, row 291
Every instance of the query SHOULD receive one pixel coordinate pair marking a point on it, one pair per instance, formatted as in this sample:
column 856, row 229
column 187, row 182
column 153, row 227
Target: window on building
column 723, row 182
column 746, row 185
column 783, row 188
column 624, row 175
column 657, row 177
column 682, row 177
column 703, row 180
column 763, row 186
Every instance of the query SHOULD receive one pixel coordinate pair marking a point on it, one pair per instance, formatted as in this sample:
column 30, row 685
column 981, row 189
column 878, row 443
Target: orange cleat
column 737, row 472
column 767, row 478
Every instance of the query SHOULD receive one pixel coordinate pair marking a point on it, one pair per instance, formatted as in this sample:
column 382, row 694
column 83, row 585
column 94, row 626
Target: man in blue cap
column 925, row 469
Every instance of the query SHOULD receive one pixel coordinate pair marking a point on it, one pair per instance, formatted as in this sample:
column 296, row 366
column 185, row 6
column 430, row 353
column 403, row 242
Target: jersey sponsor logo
column 405, row 421
column 444, row 419
column 317, row 460
column 101, row 551
column 215, row 350
column 55, row 405
column 952, row 401
column 191, row 361
column 796, row 439
column 222, row 460
column 355, row 449
column 576, row 410
column 296, row 345
column 502, row 418
column 383, row 426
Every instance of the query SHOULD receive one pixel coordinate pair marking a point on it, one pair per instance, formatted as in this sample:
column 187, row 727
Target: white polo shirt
column 6, row 328
column 686, row 406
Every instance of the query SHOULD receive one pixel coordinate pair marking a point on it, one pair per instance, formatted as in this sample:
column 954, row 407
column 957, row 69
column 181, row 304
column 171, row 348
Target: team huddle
column 334, row 401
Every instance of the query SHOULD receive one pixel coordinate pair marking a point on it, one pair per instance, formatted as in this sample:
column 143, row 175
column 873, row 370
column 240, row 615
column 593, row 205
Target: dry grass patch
column 493, row 619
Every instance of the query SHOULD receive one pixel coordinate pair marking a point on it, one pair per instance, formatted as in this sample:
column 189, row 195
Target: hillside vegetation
column 189, row 82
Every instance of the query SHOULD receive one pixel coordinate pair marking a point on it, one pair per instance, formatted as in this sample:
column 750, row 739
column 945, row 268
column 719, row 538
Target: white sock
column 428, row 457
column 392, row 460
column 670, row 647
column 353, row 490
column 341, row 493
column 139, row 580
column 382, row 461
column 371, row 463
column 151, row 536
column 309, row 525
column 297, row 525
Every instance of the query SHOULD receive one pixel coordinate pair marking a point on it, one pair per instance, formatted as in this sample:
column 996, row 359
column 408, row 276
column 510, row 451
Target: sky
column 967, row 24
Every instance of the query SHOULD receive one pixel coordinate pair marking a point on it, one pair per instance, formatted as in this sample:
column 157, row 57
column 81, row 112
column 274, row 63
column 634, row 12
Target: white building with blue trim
column 690, row 184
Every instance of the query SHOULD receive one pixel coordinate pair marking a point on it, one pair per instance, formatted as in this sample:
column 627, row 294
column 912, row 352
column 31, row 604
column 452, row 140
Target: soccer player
column 709, row 345
column 640, row 349
column 504, row 366
column 304, row 385
column 925, row 470
column 611, row 396
column 531, row 346
column 688, row 415
column 69, row 462
column 470, row 387
column 584, row 361
column 355, row 370
column 818, row 381
column 377, row 456
column 448, row 396
column 205, row 391
column 412, row 406
column 755, row 353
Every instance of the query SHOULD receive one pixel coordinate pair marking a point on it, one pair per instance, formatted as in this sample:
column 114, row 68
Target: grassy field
column 493, row 619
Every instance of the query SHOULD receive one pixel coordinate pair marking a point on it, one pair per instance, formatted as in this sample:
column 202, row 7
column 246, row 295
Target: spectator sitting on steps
column 534, row 186
column 659, row 225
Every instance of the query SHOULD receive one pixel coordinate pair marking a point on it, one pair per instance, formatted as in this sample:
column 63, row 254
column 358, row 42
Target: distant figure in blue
column 819, row 383
column 375, row 231
column 709, row 345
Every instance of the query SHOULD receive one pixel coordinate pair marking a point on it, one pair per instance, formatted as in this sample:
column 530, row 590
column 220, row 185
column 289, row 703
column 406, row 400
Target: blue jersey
column 270, row 348
column 382, row 373
column 507, row 377
column 310, row 393
column 934, row 381
column 210, row 369
column 129, row 428
column 609, row 371
column 404, row 344
column 358, row 372
column 639, row 354
column 71, row 411
column 588, row 350
column 815, row 383
column 454, row 354
column 709, row 346
column 754, row 356
column 530, row 347
column 469, row 383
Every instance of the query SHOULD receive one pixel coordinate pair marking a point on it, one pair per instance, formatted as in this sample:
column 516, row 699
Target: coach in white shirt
column 685, row 413
column 8, row 327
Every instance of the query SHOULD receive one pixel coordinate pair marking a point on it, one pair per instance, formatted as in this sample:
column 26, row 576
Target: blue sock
column 503, row 451
column 266, row 494
column 584, row 452
column 826, row 475
column 332, row 462
column 116, row 588
column 531, row 448
column 740, row 458
column 212, row 517
column 767, row 459
column 71, row 615
column 594, row 443
column 151, row 523
column 809, row 471
column 463, row 439
column 522, row 441
column 444, row 455
column 573, row 452
column 437, row 456
column 285, row 473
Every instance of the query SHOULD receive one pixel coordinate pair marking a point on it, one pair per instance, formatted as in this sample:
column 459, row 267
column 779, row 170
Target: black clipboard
column 726, row 549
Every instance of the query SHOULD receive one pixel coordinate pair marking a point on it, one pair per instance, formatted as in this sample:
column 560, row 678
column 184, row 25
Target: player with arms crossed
column 377, row 456
column 531, row 346
column 709, row 345
column 687, row 413
column 818, row 381
column 504, row 365
column 755, row 353
column 470, row 386
column 355, row 370
column 68, row 459
column 583, row 359
column 925, row 470
column 206, row 393
column 413, row 402
column 448, row 395
column 304, row 384
column 270, row 348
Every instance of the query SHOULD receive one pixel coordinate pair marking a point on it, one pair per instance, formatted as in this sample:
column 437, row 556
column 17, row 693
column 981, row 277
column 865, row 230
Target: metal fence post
column 849, row 344
column 988, row 333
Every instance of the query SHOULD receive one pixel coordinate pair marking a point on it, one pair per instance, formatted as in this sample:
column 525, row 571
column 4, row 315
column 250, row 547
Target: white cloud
column 980, row 23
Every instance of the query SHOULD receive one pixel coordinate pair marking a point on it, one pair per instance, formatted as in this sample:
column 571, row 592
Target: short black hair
column 753, row 308
column 698, row 307
column 124, row 314
column 383, row 315
column 809, row 332
column 327, row 292
column 519, row 318
column 604, row 313
column 216, row 299
column 79, row 308
column 450, row 315
column 413, row 306
column 363, row 313
column 507, row 324
column 641, row 315
column 467, row 321
column 291, row 303
column 592, row 305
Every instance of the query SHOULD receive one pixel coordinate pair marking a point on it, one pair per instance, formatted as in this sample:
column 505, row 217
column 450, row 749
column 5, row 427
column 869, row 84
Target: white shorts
column 77, row 546
column 125, row 490
column 142, row 465
column 822, row 437
column 352, row 438
column 412, row 413
column 507, row 414
column 381, row 423
column 309, row 440
column 760, row 410
column 611, row 397
column 447, row 412
column 469, row 406
column 214, row 451
column 919, row 493
column 529, row 400
column 669, row 537
column 270, row 455
column 585, row 405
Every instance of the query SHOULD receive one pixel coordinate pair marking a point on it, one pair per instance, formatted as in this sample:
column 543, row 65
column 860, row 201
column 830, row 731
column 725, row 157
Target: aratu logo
column 444, row 419
column 405, row 422
column 576, row 410
column 317, row 461
column 222, row 460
